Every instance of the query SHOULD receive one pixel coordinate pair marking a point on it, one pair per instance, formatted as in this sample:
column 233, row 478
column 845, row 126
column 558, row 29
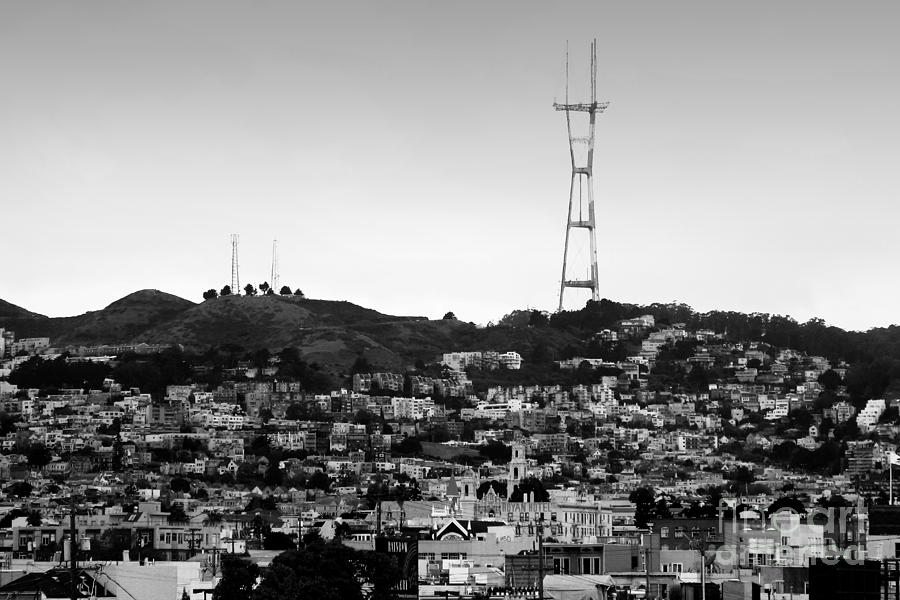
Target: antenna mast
column 581, row 188
column 274, row 278
column 235, row 276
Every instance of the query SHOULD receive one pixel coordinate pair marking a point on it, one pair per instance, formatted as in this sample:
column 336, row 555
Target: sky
column 406, row 155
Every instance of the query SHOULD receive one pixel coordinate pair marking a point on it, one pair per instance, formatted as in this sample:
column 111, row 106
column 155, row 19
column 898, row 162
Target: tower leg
column 562, row 281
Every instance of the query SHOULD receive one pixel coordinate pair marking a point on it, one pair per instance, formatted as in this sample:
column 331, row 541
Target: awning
column 577, row 587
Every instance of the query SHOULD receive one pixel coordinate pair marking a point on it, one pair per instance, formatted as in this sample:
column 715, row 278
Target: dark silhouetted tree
column 538, row 319
column 226, row 291
column 238, row 579
column 249, row 290
column 830, row 380
column 38, row 455
column 644, row 500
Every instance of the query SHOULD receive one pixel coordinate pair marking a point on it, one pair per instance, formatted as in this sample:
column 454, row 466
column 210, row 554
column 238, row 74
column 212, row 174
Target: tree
column 249, row 290
column 20, row 489
column 496, row 452
column 644, row 502
column 226, row 291
column 328, row 571
column 180, row 484
column 830, row 380
column 285, row 290
column 530, row 485
column 449, row 316
column 238, row 579
column 210, row 294
column 538, row 318
column 177, row 514
column 277, row 540
column 34, row 519
column 264, row 287
column 787, row 503
column 409, row 445
column 38, row 455
column 319, row 480
column 299, row 293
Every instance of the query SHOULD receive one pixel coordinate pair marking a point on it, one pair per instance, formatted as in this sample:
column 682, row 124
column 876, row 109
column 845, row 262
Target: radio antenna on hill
column 235, row 276
column 581, row 187
column 274, row 278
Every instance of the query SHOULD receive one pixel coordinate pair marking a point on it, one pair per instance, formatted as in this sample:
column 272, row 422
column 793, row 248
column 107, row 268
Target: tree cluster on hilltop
column 250, row 290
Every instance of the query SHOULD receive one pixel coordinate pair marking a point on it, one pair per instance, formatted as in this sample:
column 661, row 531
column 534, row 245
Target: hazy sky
column 406, row 155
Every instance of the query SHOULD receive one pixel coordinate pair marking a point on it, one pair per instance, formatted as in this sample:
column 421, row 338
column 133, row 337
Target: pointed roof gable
column 452, row 527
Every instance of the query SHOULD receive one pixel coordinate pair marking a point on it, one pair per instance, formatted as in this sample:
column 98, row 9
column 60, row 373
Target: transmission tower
column 235, row 277
column 274, row 278
column 581, row 188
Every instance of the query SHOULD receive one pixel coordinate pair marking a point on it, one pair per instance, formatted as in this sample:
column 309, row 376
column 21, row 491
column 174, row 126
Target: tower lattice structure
column 274, row 278
column 235, row 275
column 581, row 188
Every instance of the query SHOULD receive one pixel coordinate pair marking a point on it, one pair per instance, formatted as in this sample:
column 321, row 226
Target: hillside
column 323, row 330
column 122, row 321
column 331, row 333
column 125, row 320
column 11, row 311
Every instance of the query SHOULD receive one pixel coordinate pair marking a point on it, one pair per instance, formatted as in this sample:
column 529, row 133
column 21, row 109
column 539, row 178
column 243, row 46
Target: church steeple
column 517, row 468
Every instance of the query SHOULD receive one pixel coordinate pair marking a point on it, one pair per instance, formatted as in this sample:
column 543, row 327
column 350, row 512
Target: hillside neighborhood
column 656, row 459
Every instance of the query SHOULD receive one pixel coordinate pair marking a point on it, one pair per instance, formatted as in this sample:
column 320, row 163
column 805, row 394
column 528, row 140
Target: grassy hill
column 11, row 311
column 331, row 333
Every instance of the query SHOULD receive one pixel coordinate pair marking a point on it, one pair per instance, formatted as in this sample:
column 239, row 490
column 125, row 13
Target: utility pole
column 647, row 572
column 701, row 544
column 540, row 534
column 73, row 549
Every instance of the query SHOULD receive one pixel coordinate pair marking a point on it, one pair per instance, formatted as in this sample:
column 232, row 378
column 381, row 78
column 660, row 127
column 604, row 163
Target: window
column 553, row 516
column 785, row 540
column 453, row 556
column 427, row 556
column 561, row 566
column 679, row 532
column 676, row 567
column 664, row 532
